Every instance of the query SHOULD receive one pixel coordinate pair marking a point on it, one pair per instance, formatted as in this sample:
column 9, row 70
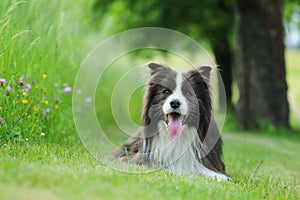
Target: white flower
column 43, row 134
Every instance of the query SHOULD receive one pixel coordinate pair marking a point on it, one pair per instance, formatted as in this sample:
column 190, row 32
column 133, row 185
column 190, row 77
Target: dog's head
column 179, row 99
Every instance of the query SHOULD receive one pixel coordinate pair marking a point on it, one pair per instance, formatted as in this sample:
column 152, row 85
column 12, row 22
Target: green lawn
column 50, row 171
column 41, row 156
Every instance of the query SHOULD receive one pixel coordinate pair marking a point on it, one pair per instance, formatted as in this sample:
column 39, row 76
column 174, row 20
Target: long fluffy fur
column 191, row 153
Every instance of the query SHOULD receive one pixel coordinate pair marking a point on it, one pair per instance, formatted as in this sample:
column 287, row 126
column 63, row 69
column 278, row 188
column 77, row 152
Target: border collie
column 179, row 133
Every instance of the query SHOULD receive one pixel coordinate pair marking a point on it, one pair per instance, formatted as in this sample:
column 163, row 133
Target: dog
column 179, row 132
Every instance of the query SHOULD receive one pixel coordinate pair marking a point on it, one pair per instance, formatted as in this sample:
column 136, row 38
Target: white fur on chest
column 180, row 155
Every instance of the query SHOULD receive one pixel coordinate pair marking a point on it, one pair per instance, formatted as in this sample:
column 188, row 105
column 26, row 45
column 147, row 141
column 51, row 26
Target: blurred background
column 254, row 43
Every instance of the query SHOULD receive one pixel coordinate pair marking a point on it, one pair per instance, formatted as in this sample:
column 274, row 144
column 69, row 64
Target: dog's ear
column 155, row 67
column 205, row 72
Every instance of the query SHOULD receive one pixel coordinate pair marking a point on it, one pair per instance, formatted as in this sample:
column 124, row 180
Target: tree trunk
column 260, row 64
column 223, row 56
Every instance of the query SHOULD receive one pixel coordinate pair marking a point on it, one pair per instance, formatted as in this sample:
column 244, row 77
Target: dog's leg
column 211, row 174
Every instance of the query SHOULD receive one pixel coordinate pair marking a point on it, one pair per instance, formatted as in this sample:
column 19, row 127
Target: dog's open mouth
column 174, row 123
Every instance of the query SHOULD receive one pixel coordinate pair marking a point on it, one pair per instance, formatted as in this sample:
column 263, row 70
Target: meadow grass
column 41, row 50
column 45, row 42
column 50, row 171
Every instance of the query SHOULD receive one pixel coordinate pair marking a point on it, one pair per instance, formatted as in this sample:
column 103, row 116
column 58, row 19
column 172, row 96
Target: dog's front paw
column 222, row 177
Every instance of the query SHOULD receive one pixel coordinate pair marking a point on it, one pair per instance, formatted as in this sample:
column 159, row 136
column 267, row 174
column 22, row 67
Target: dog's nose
column 175, row 103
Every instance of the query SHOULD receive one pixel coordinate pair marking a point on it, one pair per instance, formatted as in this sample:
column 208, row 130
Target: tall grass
column 43, row 44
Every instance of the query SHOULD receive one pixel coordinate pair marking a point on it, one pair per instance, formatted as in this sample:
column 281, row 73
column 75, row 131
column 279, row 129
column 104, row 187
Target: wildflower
column 44, row 76
column 21, row 81
column 28, row 86
column 79, row 92
column 24, row 101
column 67, row 89
column 36, row 108
column 26, row 139
column 2, row 81
column 24, row 93
column 46, row 112
column 2, row 121
column 8, row 90
column 46, row 102
column 36, row 86
column 65, row 85
column 89, row 100
column 56, row 85
column 55, row 106
column 43, row 134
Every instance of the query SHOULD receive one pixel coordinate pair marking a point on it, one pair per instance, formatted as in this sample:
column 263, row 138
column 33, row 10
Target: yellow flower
column 36, row 108
column 17, row 102
column 46, row 102
column 24, row 93
column 55, row 106
column 44, row 76
column 24, row 101
column 36, row 86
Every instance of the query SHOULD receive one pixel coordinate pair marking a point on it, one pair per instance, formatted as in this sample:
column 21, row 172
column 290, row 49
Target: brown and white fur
column 179, row 132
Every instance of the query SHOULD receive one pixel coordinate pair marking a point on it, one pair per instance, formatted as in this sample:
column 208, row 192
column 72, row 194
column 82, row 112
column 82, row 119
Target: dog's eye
column 167, row 91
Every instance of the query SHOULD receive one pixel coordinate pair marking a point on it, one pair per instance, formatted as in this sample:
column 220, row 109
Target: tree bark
column 223, row 56
column 260, row 64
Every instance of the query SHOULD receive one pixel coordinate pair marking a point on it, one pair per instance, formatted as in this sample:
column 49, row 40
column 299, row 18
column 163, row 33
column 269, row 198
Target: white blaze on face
column 175, row 116
column 177, row 94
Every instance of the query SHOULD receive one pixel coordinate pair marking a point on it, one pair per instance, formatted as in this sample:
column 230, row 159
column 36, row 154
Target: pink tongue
column 175, row 126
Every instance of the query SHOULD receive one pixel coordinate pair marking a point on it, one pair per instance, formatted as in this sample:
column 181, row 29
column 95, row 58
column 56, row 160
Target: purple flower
column 65, row 85
column 56, row 85
column 46, row 112
column 21, row 81
column 8, row 90
column 28, row 86
column 67, row 89
column 2, row 121
column 79, row 92
column 2, row 81
column 89, row 100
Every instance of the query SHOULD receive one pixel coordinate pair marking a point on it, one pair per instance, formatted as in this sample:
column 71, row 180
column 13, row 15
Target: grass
column 40, row 39
column 53, row 172
column 37, row 41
